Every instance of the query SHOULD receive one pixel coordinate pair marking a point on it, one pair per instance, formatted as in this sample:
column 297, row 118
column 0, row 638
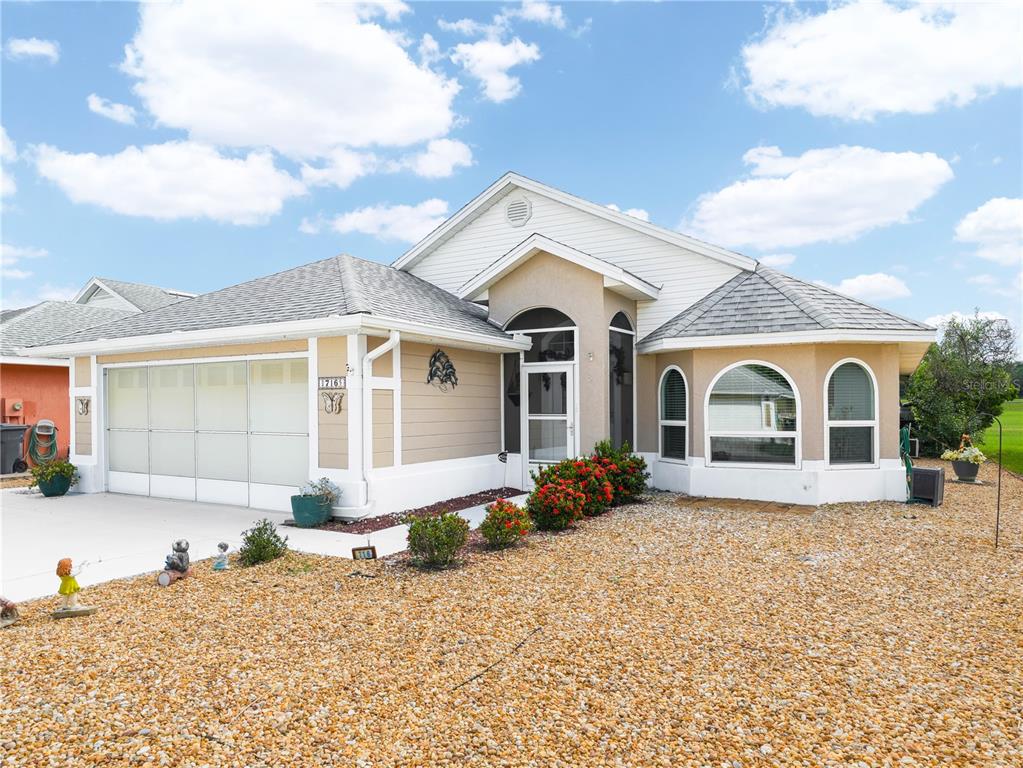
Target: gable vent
column 518, row 212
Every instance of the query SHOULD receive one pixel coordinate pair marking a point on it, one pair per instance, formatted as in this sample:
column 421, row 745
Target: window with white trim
column 852, row 415
column 752, row 417
column 673, row 415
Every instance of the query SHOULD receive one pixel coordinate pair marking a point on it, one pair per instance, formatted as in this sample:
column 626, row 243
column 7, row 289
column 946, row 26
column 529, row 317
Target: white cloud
column 408, row 223
column 173, row 181
column 489, row 61
column 998, row 286
column 777, row 259
column 8, row 154
column 539, row 11
column 33, row 47
column 832, row 194
column 11, row 258
column 996, row 228
column 939, row 320
column 429, row 50
column 873, row 287
column 321, row 76
column 638, row 213
column 440, row 159
column 342, row 167
column 466, row 27
column 44, row 292
column 861, row 59
column 119, row 113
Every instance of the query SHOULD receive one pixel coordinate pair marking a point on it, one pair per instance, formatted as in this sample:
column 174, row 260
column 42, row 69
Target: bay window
column 752, row 417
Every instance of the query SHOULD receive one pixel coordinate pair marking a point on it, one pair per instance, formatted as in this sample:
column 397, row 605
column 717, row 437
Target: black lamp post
column 998, row 502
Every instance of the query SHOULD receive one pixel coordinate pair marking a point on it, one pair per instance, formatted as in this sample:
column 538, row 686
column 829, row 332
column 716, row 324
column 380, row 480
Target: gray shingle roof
column 145, row 297
column 342, row 285
column 768, row 301
column 42, row 322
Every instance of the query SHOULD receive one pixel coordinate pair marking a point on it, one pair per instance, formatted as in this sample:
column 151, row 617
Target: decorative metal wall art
column 332, row 400
column 442, row 372
column 82, row 405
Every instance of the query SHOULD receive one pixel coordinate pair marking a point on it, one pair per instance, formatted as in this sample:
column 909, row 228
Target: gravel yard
column 662, row 634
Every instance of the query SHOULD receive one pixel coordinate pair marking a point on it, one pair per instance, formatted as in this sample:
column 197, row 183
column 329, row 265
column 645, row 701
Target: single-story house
column 525, row 328
column 35, row 387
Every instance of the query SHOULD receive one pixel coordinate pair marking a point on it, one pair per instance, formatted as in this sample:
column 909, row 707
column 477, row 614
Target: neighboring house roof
column 338, row 286
column 132, row 296
column 766, row 301
column 481, row 202
column 42, row 322
column 615, row 278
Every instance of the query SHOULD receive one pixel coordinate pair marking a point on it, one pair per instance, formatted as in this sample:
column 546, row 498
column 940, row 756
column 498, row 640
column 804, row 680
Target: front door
column 549, row 416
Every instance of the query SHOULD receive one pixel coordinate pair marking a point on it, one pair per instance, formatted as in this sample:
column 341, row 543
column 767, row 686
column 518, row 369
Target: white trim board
column 824, row 336
column 615, row 278
column 53, row 362
column 482, row 201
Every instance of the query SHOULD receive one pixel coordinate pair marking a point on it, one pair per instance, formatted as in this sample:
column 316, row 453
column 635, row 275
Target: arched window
column 621, row 340
column 852, row 415
column 752, row 417
column 673, row 415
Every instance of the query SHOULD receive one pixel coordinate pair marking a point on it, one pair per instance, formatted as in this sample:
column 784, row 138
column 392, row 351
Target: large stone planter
column 55, row 486
column 966, row 471
column 309, row 511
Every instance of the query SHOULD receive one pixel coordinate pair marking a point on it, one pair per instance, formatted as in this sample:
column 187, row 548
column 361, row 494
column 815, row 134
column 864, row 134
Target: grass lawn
column 662, row 634
column 1012, row 437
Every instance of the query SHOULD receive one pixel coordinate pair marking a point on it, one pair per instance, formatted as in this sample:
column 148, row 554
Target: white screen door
column 549, row 415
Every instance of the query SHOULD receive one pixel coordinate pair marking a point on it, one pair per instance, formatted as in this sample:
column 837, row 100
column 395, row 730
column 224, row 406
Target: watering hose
column 42, row 448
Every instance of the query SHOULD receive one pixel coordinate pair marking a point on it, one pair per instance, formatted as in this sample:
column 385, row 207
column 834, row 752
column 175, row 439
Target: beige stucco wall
column 806, row 364
column 463, row 421
column 332, row 360
column 83, row 372
column 83, row 428
column 265, row 348
column 548, row 281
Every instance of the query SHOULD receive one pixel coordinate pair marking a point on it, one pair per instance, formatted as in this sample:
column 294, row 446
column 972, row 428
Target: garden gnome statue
column 177, row 564
column 69, row 590
column 220, row 563
column 8, row 612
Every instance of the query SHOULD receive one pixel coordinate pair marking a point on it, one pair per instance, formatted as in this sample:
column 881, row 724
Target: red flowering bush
column 624, row 470
column 505, row 524
column 555, row 504
column 585, row 475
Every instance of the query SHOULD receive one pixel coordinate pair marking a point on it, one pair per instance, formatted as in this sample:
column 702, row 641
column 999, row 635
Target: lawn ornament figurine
column 176, row 566
column 8, row 612
column 220, row 563
column 69, row 590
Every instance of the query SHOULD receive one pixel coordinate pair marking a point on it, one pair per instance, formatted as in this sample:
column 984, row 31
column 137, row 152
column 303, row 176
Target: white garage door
column 232, row 432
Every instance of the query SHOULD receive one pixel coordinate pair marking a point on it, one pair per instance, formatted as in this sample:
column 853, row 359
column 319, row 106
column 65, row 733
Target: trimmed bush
column 625, row 471
column 261, row 544
column 435, row 541
column 556, row 504
column 585, row 475
column 505, row 524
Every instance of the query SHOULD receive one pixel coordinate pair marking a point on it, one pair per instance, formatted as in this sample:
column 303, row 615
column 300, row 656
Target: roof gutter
column 799, row 337
column 334, row 325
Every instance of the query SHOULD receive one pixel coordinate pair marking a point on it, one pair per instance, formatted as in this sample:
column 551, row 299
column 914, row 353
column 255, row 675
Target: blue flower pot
column 309, row 511
column 55, row 486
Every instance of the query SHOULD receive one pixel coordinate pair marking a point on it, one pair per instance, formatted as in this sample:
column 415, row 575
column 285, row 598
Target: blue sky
column 873, row 147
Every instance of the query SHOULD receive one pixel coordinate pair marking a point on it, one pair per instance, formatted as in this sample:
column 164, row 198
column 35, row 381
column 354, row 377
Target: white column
column 356, row 409
column 314, row 410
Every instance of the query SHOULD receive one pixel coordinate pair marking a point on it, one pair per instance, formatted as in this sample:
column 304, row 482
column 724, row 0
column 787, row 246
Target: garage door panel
column 172, row 453
column 280, row 459
column 222, row 492
column 169, row 487
column 222, row 456
column 128, row 451
column 172, row 397
column 127, row 398
column 220, row 397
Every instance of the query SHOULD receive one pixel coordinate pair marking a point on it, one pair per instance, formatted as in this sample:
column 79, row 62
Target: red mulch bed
column 371, row 524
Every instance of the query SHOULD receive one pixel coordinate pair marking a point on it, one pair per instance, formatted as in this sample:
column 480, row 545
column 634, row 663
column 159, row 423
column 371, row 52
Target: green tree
column 962, row 379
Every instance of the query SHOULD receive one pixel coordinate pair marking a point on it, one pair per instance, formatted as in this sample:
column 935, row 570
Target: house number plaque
column 333, row 382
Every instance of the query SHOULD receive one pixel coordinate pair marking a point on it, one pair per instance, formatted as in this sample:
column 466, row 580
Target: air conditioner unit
column 928, row 485
column 914, row 447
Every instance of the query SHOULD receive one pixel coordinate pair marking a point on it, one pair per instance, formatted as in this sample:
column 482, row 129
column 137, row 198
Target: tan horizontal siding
column 83, row 372
column 228, row 350
column 332, row 360
column 383, row 424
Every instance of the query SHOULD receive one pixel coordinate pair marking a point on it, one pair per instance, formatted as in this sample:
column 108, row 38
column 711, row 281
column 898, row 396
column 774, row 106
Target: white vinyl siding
column 684, row 276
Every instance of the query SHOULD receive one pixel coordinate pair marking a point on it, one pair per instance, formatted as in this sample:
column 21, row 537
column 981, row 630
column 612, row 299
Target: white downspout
column 367, row 399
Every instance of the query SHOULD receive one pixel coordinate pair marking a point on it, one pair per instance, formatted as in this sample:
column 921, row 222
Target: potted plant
column 55, row 477
column 966, row 460
column 312, row 504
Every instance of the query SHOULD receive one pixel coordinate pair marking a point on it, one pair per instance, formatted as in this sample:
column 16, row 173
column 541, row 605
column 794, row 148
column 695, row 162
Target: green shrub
column 51, row 469
column 555, row 504
column 434, row 541
column 261, row 544
column 585, row 475
column 505, row 524
column 625, row 470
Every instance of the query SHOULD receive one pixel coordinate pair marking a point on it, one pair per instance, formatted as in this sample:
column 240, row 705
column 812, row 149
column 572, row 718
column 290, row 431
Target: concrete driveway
column 123, row 536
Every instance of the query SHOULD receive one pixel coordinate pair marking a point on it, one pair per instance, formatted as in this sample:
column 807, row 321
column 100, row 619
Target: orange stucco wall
column 44, row 390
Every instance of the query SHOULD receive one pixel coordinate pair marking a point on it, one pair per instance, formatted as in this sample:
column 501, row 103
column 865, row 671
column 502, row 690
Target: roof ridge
column 713, row 301
column 804, row 303
column 351, row 287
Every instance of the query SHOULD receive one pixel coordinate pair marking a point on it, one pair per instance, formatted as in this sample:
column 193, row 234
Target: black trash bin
column 12, row 446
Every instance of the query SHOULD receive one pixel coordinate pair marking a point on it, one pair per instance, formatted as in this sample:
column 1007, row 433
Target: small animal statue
column 8, row 612
column 220, row 563
column 176, row 566
column 69, row 590
column 178, row 560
